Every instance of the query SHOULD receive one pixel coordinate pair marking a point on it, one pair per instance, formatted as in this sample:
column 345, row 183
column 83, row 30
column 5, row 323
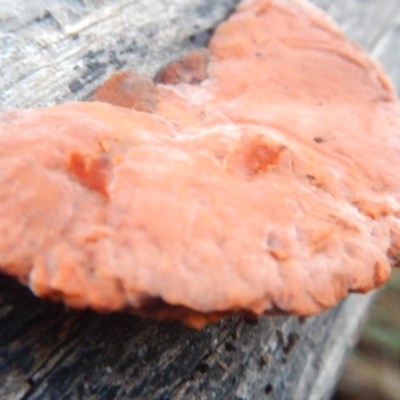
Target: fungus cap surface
column 271, row 186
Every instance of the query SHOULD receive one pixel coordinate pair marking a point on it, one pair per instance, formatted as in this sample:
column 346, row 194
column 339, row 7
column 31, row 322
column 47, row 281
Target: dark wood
column 57, row 51
column 47, row 352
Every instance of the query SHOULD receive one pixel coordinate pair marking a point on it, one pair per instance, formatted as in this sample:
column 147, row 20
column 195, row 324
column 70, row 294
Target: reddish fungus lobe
column 221, row 199
column 92, row 172
column 191, row 68
column 129, row 90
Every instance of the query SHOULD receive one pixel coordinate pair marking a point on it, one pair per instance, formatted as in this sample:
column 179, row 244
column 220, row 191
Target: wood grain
column 55, row 51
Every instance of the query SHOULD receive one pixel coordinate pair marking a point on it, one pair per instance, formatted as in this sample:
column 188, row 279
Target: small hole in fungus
column 268, row 389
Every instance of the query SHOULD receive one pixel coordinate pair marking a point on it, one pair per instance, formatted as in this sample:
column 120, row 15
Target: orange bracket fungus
column 260, row 176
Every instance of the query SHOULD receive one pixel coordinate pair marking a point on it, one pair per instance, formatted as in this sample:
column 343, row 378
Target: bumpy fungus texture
column 271, row 186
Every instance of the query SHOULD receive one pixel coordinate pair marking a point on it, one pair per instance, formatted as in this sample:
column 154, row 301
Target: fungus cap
column 271, row 186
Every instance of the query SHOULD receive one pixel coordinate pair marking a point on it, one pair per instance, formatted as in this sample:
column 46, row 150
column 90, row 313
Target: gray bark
column 55, row 51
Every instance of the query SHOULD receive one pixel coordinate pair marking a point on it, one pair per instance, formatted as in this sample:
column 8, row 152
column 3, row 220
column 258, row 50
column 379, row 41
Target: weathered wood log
column 54, row 52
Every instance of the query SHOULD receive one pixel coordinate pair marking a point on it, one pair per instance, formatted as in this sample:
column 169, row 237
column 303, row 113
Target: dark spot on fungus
column 319, row 139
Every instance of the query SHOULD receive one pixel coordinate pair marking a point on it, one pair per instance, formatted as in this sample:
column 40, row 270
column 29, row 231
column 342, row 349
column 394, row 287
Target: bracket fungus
column 264, row 181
